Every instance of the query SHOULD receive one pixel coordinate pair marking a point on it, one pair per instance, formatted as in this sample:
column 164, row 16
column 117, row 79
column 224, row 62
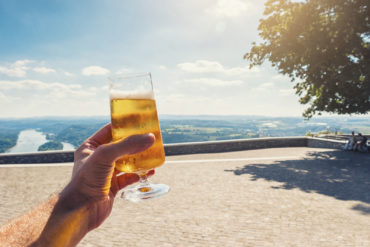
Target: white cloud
column 162, row 67
column 201, row 66
column 195, row 104
column 267, row 84
column 66, row 73
column 125, row 71
column 182, row 98
column 220, row 27
column 104, row 88
column 17, row 69
column 215, row 82
column 93, row 89
column 68, row 93
column 22, row 63
column 228, row 8
column 8, row 98
column 43, row 70
column 281, row 77
column 205, row 66
column 286, row 92
column 53, row 89
column 36, row 84
column 242, row 71
column 264, row 86
column 94, row 70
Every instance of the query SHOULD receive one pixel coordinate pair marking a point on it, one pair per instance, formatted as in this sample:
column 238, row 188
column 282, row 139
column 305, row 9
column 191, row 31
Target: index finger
column 102, row 136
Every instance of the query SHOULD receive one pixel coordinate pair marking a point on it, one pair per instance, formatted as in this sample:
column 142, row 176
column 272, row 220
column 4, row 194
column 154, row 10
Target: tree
column 324, row 47
column 51, row 145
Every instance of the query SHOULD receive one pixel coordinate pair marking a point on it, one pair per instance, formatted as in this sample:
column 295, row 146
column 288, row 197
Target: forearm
column 27, row 228
column 65, row 227
column 50, row 224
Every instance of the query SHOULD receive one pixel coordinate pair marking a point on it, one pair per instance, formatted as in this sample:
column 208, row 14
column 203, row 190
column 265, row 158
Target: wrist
column 71, row 199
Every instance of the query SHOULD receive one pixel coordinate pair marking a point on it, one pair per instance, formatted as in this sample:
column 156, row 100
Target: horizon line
column 188, row 116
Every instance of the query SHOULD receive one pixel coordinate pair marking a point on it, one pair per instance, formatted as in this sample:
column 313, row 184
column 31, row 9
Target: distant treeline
column 51, row 145
column 8, row 139
column 180, row 129
column 76, row 134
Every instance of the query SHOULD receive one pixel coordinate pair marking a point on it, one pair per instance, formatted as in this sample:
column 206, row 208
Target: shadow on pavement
column 340, row 174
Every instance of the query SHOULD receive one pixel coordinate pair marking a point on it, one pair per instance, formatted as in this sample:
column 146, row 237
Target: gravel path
column 307, row 197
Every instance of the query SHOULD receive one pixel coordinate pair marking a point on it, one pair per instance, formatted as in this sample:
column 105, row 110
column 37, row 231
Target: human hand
column 94, row 181
column 64, row 219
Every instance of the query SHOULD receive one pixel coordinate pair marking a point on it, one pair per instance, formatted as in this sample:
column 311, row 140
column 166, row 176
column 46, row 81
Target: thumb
column 108, row 153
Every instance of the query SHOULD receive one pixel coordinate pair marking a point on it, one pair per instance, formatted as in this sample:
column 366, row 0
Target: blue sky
column 56, row 57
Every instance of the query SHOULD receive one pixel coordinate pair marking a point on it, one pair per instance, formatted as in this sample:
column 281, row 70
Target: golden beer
column 134, row 112
column 133, row 116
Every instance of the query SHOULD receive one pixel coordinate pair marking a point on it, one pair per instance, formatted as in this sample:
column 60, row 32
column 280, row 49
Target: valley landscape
column 58, row 132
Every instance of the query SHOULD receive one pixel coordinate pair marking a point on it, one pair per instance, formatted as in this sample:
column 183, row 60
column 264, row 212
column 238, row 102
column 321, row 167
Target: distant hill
column 176, row 129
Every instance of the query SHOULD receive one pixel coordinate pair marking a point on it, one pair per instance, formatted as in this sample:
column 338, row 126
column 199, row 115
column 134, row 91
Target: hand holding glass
column 133, row 112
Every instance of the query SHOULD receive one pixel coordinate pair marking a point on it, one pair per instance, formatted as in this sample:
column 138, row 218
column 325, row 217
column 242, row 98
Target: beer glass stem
column 143, row 178
column 144, row 183
column 144, row 190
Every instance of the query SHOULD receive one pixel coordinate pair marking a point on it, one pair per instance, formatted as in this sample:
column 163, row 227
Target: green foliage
column 324, row 132
column 309, row 133
column 76, row 134
column 8, row 139
column 51, row 145
column 323, row 45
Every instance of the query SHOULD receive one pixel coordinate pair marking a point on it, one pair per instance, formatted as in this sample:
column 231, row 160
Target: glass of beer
column 133, row 112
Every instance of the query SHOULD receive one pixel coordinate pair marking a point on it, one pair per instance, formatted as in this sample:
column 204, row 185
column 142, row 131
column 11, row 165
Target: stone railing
column 340, row 137
column 35, row 158
column 324, row 143
column 234, row 145
column 186, row 148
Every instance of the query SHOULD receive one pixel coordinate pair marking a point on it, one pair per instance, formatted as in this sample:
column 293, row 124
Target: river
column 30, row 140
column 68, row 146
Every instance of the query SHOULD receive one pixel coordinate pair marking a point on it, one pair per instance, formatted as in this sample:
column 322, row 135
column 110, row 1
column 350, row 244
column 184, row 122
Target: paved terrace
column 297, row 196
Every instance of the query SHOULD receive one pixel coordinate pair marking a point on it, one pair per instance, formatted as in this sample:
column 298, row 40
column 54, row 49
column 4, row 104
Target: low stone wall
column 39, row 157
column 325, row 143
column 185, row 148
column 234, row 145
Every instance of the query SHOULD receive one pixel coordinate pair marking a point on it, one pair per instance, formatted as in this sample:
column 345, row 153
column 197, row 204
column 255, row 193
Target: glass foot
column 144, row 192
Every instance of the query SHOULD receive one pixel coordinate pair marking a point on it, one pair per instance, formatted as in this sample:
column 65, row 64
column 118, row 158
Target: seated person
column 361, row 144
column 351, row 142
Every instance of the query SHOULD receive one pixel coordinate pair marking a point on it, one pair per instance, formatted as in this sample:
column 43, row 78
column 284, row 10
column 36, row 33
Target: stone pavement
column 268, row 197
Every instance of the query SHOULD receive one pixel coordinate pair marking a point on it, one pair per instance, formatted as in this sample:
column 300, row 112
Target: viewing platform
column 307, row 192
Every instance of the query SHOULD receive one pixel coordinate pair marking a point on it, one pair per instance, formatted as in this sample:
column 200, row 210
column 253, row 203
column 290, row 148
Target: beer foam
column 117, row 94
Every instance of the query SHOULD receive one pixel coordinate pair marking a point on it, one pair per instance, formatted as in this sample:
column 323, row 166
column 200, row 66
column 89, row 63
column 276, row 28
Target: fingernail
column 151, row 135
column 149, row 139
